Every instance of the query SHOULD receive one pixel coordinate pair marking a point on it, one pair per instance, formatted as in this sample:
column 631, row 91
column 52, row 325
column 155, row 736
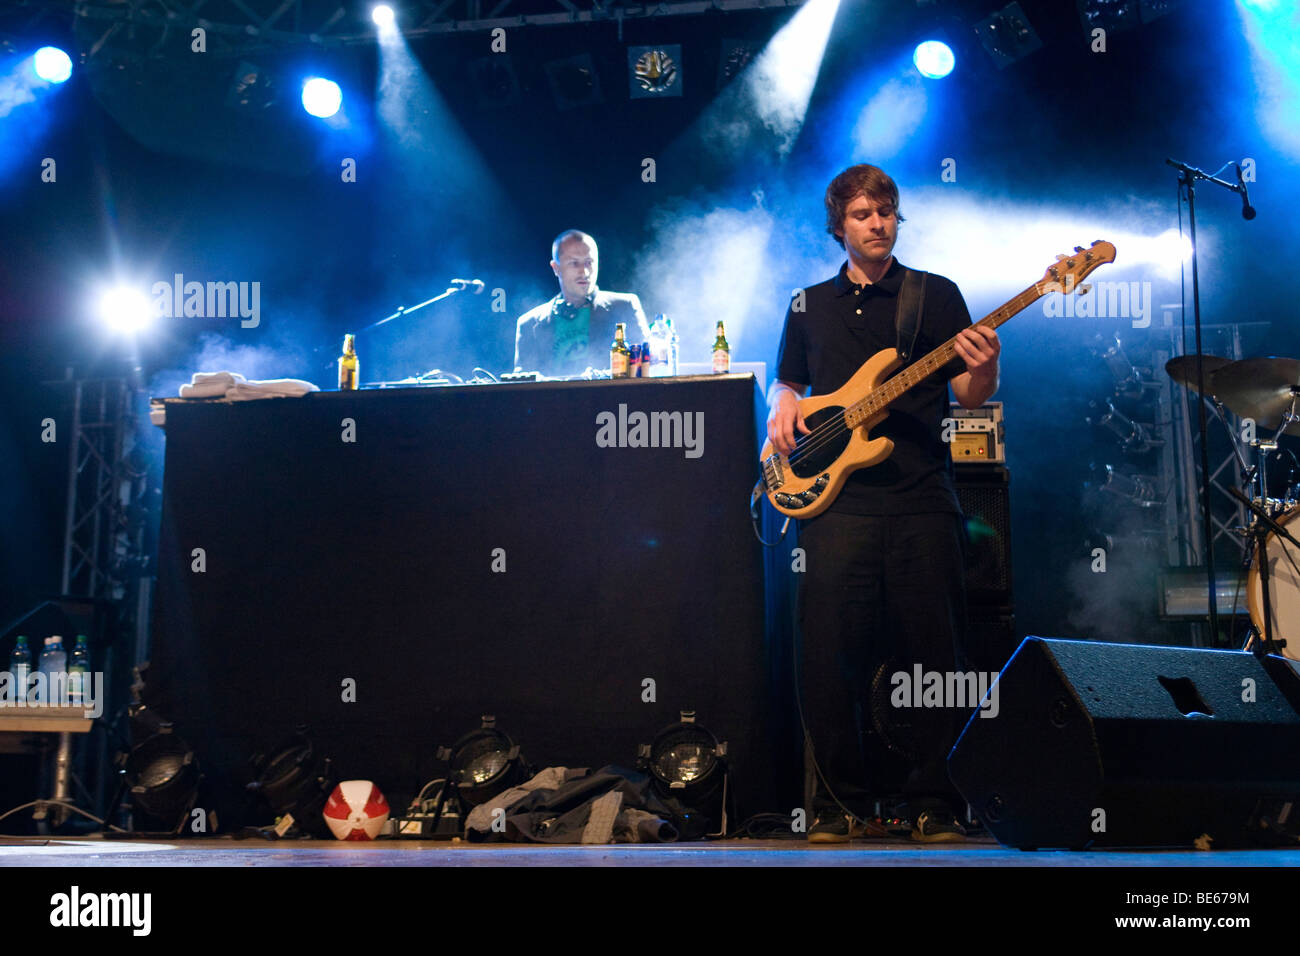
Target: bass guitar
column 805, row 482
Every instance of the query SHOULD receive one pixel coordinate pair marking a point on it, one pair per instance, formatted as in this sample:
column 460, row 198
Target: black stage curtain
column 371, row 561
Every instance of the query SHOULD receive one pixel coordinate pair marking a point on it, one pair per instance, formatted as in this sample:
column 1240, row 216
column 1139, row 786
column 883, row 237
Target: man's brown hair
column 860, row 180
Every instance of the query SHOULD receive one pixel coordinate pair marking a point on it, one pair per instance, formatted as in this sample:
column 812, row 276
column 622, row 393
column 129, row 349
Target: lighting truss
column 162, row 28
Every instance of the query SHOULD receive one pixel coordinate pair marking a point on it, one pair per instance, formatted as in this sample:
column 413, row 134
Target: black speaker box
column 1107, row 745
column 990, row 637
column 984, row 493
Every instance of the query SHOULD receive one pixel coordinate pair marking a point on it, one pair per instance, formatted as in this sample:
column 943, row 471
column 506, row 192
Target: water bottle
column 20, row 669
column 54, row 660
column 78, row 672
column 672, row 346
column 658, row 346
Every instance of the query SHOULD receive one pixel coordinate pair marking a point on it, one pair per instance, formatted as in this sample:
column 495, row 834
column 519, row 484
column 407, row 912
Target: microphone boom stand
column 1187, row 180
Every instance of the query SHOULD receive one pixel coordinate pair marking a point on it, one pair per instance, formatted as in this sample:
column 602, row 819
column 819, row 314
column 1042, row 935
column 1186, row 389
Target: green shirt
column 571, row 327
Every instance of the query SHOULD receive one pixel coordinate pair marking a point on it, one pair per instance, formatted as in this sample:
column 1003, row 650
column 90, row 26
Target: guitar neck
column 881, row 398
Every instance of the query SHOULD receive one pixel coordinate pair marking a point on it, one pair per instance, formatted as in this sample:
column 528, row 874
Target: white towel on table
column 269, row 388
column 210, row 384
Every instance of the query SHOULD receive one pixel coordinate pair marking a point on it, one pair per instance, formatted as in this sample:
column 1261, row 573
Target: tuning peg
column 1078, row 248
column 1084, row 289
column 1059, row 258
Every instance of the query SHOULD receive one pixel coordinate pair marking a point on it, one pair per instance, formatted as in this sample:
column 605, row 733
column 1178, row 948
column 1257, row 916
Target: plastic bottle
column 20, row 669
column 672, row 346
column 54, row 660
column 78, row 672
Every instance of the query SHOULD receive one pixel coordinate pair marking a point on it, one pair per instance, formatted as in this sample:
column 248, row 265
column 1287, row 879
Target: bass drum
column 1283, row 585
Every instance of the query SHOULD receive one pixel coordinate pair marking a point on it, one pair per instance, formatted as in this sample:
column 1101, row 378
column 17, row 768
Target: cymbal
column 1260, row 388
column 1182, row 369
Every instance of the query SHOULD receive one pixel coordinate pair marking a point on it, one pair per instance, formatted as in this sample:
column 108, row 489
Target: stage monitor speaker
column 1106, row 745
column 990, row 637
column 984, row 492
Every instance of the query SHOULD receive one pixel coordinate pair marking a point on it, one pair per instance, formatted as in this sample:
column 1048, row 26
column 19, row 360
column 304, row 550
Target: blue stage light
column 321, row 97
column 933, row 59
column 52, row 64
column 382, row 15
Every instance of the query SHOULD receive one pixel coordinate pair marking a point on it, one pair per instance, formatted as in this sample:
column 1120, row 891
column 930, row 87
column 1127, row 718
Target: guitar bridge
column 804, row 498
column 773, row 475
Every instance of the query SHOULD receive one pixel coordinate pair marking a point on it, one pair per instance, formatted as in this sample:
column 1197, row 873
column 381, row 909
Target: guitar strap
column 907, row 320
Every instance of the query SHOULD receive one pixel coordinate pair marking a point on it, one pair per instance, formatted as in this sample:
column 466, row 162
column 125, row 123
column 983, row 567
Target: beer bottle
column 349, row 367
column 721, row 353
column 620, row 356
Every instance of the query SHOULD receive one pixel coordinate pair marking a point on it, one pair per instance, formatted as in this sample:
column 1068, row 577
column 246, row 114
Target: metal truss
column 157, row 28
column 100, row 540
column 1227, row 516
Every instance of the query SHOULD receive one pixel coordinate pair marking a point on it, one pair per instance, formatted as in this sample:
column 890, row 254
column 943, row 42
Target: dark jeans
column 876, row 588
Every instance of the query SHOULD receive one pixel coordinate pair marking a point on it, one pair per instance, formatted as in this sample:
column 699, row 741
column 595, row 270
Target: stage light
column 653, row 71
column 126, row 310
column 735, row 55
column 163, row 779
column 383, row 15
column 483, row 763
column 1134, row 437
column 574, row 82
column 1007, row 35
column 1137, row 489
column 251, row 89
column 683, row 756
column 1110, row 15
column 688, row 768
column 1176, row 246
column 495, row 82
column 321, row 97
column 1128, row 378
column 933, row 59
column 296, row 782
column 52, row 64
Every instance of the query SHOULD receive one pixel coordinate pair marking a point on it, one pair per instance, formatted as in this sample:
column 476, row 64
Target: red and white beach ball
column 356, row 810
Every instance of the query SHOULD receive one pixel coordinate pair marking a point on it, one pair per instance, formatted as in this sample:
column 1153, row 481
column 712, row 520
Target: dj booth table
column 472, row 550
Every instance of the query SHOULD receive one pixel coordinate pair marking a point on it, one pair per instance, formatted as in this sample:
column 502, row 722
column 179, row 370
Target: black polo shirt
column 844, row 324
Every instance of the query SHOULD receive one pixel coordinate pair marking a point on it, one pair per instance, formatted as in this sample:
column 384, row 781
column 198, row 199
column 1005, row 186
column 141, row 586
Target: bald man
column 573, row 331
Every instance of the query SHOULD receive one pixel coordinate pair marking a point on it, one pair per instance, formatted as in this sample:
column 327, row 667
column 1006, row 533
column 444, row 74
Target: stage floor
column 92, row 852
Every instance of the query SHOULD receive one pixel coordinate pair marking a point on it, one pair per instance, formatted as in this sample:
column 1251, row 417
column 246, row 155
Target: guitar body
column 809, row 487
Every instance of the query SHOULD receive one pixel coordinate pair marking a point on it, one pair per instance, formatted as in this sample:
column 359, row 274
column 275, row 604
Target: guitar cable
column 810, row 748
column 754, row 497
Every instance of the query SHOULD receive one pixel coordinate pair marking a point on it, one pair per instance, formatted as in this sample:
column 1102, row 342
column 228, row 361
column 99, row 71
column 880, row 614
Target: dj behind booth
column 350, row 581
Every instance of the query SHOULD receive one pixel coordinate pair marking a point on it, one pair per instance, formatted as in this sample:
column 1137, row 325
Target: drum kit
column 1267, row 392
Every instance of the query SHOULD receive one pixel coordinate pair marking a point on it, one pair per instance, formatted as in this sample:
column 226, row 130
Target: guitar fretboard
column 880, row 398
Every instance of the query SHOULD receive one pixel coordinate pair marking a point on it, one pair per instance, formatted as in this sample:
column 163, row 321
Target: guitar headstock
column 1070, row 270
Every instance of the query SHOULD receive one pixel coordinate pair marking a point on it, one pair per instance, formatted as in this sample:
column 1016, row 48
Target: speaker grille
column 984, row 495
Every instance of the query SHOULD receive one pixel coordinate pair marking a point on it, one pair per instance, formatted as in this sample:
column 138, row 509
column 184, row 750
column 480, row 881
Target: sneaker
column 833, row 828
column 937, row 826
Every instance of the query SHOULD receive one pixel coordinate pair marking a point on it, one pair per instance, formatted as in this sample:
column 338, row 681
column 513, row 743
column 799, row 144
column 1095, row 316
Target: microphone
column 463, row 284
column 1247, row 210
